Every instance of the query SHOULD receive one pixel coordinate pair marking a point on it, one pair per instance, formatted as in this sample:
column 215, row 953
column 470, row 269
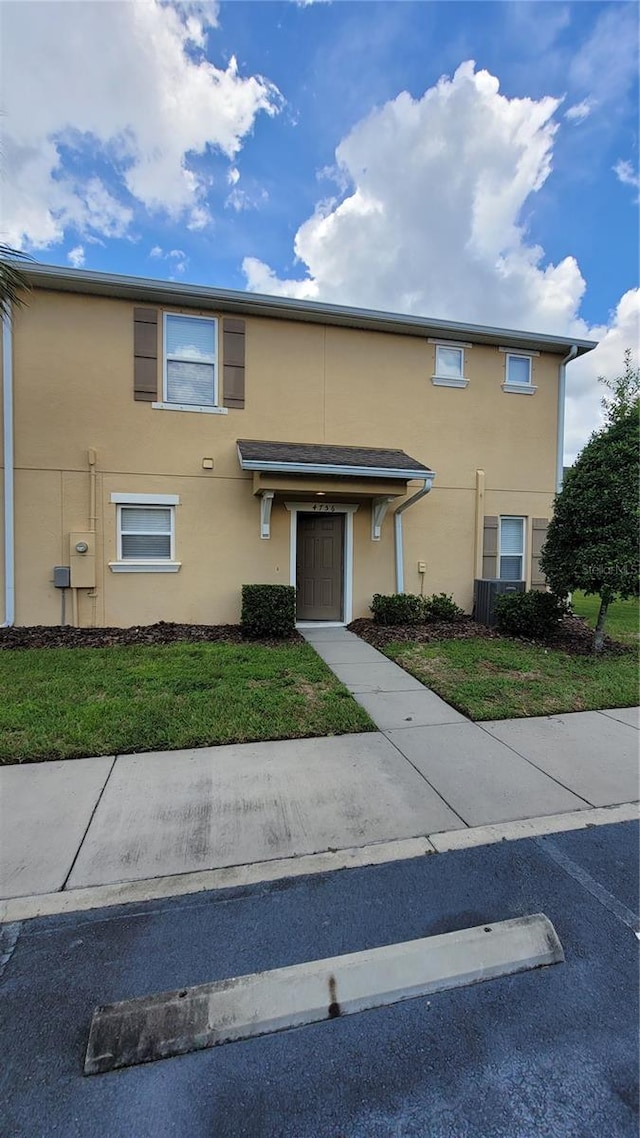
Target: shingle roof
column 258, row 454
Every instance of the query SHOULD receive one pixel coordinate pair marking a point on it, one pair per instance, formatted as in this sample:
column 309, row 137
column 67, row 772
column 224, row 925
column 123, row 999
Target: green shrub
column 533, row 615
column 397, row 608
column 441, row 606
column 268, row 611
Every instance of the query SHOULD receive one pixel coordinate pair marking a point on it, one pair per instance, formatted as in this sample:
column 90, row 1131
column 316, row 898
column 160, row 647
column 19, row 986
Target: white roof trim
column 331, row 468
column 176, row 295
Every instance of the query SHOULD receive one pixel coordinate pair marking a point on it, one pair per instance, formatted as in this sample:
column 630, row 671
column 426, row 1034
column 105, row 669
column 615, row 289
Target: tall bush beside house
column 593, row 538
column 268, row 611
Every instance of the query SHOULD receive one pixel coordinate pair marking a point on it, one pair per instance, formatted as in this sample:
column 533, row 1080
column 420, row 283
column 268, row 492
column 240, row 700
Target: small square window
column 519, row 370
column 449, row 362
column 190, row 365
column 145, row 533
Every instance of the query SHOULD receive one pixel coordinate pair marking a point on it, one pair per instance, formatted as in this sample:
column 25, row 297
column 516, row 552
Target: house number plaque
column 324, row 508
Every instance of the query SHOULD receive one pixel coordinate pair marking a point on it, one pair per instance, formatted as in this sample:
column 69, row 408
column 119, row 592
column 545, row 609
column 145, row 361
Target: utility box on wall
column 485, row 591
column 82, row 560
column 61, row 577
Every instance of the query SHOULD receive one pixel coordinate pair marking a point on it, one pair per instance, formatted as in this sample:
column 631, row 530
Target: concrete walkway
column 494, row 771
column 417, row 784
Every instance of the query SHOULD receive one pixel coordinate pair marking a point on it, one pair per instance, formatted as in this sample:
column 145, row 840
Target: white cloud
column 434, row 222
column 75, row 257
column 240, row 199
column 606, row 65
column 233, row 176
column 128, row 83
column 177, row 260
column 199, row 218
column 579, row 111
column 260, row 278
column 433, row 219
column 583, row 411
column 626, row 174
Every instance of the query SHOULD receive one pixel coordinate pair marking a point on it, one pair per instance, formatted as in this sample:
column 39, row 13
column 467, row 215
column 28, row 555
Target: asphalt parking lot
column 550, row 1052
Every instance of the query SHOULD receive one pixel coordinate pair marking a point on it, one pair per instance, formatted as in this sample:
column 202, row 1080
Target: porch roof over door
column 329, row 461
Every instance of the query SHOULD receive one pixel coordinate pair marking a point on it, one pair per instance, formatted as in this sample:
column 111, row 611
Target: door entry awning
column 319, row 459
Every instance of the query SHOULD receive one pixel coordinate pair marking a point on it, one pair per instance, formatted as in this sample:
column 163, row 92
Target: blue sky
column 340, row 151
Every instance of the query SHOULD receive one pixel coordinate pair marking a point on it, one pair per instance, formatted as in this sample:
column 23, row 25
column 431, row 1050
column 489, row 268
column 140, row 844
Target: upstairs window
column 449, row 363
column 511, row 549
column 190, row 364
column 518, row 371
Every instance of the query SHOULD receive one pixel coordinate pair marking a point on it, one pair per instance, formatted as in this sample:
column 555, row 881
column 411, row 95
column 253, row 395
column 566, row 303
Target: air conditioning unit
column 485, row 591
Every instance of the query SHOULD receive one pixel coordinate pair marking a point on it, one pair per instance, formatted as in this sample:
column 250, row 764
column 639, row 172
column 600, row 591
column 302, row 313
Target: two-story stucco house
column 165, row 443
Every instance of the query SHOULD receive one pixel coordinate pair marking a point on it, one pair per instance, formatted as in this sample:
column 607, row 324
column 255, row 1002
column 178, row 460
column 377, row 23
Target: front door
column 319, row 566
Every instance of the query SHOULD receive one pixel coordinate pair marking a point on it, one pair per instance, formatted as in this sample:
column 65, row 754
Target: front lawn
column 623, row 617
column 58, row 703
column 498, row 678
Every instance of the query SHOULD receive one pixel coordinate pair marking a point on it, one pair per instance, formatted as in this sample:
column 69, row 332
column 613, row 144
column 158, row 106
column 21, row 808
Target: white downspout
column 397, row 521
column 562, row 386
column 7, row 424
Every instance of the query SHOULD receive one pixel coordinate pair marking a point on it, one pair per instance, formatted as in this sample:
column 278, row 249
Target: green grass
column 504, row 679
column 623, row 617
column 66, row 703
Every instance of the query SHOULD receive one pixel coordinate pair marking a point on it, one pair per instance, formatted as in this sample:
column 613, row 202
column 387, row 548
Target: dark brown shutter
column 233, row 339
column 490, row 547
column 538, row 538
column 145, row 354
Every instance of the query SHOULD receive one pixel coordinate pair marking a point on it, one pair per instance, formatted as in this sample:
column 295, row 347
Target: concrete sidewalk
column 418, row 784
column 489, row 772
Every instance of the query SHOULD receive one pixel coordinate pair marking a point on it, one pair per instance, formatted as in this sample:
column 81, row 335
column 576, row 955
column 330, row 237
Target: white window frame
column 522, row 555
column 210, row 408
column 446, row 380
column 145, row 564
column 527, row 388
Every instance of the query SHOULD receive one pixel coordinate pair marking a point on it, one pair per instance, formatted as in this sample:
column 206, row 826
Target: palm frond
column 13, row 282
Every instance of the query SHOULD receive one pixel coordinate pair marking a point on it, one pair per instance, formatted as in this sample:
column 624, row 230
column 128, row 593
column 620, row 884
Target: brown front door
column 319, row 566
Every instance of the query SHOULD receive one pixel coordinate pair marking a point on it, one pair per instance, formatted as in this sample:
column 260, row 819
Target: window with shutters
column 511, row 549
column 190, row 361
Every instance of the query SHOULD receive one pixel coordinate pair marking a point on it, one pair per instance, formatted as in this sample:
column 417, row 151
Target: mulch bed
column 573, row 636
column 62, row 636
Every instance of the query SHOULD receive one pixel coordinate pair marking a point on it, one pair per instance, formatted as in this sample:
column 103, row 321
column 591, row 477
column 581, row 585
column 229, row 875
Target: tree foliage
column 593, row 537
column 13, row 283
column 625, row 391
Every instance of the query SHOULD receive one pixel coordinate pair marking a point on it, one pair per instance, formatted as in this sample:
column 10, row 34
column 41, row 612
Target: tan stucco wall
column 73, row 365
